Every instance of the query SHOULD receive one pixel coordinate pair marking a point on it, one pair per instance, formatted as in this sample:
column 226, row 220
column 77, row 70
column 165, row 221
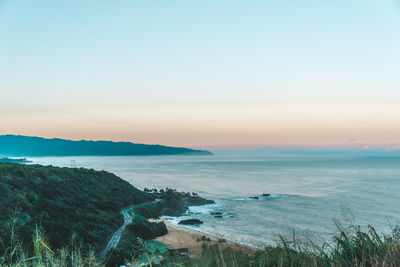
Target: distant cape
column 28, row 146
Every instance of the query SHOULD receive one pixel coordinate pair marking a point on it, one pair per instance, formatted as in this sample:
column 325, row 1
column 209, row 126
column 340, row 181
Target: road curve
column 127, row 220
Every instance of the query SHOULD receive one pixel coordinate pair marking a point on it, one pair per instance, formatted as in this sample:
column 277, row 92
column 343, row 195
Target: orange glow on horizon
column 215, row 126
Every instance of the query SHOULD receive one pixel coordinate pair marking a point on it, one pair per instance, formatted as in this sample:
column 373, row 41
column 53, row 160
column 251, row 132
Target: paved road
column 127, row 220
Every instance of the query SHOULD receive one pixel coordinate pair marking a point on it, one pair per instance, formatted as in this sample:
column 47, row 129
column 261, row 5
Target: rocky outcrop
column 191, row 222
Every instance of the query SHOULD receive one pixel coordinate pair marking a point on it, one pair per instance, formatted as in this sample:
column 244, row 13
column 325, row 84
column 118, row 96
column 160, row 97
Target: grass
column 75, row 254
column 351, row 246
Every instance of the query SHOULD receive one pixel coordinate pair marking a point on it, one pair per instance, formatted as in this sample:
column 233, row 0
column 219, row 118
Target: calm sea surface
column 309, row 191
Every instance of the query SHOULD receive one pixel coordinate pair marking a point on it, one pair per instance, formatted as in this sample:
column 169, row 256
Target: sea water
column 309, row 191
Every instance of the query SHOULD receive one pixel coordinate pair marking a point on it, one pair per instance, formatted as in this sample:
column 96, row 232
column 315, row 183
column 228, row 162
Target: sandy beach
column 184, row 237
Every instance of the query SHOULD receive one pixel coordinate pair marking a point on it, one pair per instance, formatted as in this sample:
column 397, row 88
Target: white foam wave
column 255, row 198
column 175, row 221
column 204, row 209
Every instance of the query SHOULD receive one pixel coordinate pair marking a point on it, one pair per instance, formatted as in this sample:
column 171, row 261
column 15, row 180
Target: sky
column 204, row 73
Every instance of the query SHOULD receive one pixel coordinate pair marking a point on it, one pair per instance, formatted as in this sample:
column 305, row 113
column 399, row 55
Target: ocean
column 309, row 191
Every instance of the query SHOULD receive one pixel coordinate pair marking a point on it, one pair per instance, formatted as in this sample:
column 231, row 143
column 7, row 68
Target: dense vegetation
column 62, row 201
column 350, row 247
column 26, row 146
column 79, row 204
column 132, row 243
column 173, row 203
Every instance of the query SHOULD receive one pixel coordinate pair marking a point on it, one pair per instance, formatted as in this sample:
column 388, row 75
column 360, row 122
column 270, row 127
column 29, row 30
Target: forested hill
column 26, row 146
column 62, row 201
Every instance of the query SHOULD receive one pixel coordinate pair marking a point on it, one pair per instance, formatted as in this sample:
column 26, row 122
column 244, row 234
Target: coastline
column 184, row 237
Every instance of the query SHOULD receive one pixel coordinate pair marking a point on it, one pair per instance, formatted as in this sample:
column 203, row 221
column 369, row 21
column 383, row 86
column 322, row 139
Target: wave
column 175, row 221
column 255, row 198
column 204, row 209
column 195, row 210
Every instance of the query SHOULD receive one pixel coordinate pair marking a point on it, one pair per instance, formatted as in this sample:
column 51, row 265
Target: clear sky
column 202, row 73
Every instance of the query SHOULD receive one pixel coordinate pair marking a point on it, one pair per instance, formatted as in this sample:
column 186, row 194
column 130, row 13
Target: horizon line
column 313, row 146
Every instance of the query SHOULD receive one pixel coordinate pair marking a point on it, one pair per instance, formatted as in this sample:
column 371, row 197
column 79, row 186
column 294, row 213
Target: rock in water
column 191, row 222
column 266, row 195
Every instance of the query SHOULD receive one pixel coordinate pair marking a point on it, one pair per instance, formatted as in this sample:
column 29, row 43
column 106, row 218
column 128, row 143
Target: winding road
column 127, row 220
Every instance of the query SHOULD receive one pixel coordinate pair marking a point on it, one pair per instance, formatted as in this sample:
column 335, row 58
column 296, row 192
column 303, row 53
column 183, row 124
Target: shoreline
column 184, row 237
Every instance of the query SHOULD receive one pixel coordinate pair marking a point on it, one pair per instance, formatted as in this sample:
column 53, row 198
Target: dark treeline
column 81, row 203
column 62, row 201
column 173, row 203
column 26, row 146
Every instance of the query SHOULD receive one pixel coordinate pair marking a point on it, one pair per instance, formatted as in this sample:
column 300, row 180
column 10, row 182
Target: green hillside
column 63, row 201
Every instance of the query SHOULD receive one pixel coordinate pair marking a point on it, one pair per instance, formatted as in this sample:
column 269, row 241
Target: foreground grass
column 74, row 254
column 350, row 247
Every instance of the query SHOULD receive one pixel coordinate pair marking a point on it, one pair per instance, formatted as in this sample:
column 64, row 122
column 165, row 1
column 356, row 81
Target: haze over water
column 309, row 190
